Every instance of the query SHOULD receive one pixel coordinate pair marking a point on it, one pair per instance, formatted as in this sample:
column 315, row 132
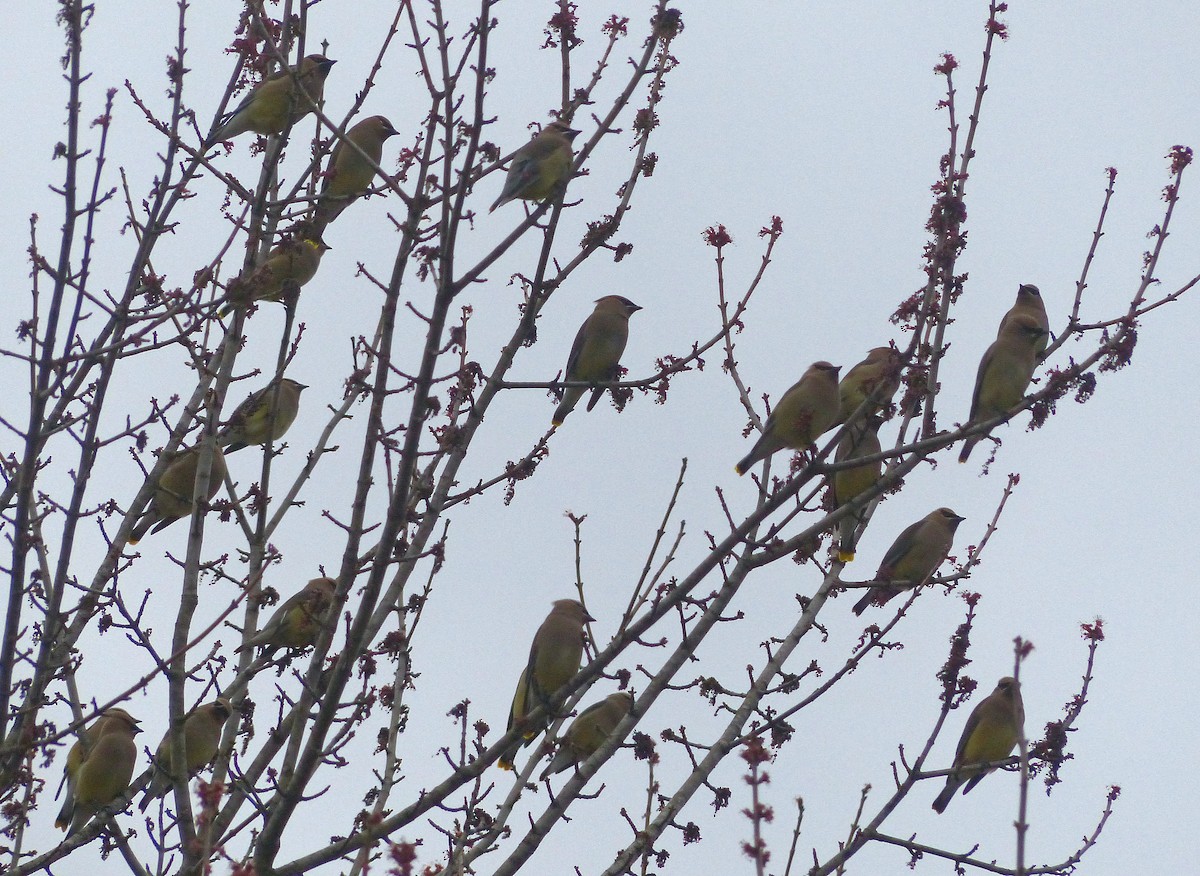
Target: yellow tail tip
column 845, row 556
column 505, row 765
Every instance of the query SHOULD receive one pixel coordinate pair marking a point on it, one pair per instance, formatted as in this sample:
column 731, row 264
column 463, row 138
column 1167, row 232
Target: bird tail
column 967, row 448
column 866, row 602
column 571, row 398
column 63, row 821
column 943, row 799
column 148, row 519
column 845, row 552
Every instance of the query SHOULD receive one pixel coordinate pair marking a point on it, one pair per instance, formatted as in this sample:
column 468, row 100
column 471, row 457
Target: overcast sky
column 823, row 114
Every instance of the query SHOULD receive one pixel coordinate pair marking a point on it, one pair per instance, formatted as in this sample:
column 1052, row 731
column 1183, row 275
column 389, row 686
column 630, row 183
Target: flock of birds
column 100, row 764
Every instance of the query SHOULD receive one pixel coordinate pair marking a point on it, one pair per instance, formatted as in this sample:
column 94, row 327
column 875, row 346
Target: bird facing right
column 540, row 167
column 596, row 354
column 103, row 772
column 991, row 733
column 1005, row 372
column 554, row 658
column 914, row 556
column 275, row 103
column 201, row 737
column 807, row 411
column 266, row 413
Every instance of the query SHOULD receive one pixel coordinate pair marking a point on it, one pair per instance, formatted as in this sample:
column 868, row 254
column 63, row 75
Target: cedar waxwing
column 539, row 167
column 861, row 439
column 589, row 731
column 596, row 353
column 298, row 622
column 914, row 556
column 201, row 737
column 78, row 753
column 349, row 175
column 554, row 659
column 105, row 770
column 275, row 103
column 286, row 268
column 877, row 376
column 1004, row 372
column 1029, row 301
column 251, row 421
column 173, row 499
column 990, row 735
column 806, row 412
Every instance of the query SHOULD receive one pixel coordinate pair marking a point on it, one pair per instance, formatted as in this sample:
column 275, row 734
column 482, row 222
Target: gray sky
column 823, row 114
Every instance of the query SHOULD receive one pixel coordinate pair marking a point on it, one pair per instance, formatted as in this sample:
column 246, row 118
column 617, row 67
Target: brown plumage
column 280, row 276
column 201, row 737
column 1004, row 372
column 275, row 104
column 590, row 730
column 268, row 412
column 861, row 439
column 350, row 174
column 991, row 733
column 79, row 752
column 876, row 377
column 914, row 556
column 807, row 411
column 553, row 661
column 596, row 354
column 105, row 769
column 541, row 167
column 1029, row 303
column 173, row 499
column 299, row 621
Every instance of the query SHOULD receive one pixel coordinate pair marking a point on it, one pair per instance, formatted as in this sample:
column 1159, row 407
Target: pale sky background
column 823, row 114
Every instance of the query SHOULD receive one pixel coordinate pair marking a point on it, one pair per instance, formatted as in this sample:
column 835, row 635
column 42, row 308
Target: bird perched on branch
column 276, row 103
column 541, row 167
column 103, row 768
column 201, row 737
column 299, row 621
column 80, row 751
column 351, row 170
column 554, row 659
column 876, row 377
column 991, row 734
column 269, row 412
column 914, row 556
column 861, row 439
column 596, row 354
column 807, row 411
column 172, row 500
column 590, row 730
column 280, row 276
column 1005, row 372
column 1029, row 302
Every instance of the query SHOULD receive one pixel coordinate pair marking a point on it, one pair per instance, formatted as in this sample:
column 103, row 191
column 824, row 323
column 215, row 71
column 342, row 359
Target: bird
column 807, row 410
column 876, row 377
column 172, row 499
column 596, row 354
column 1004, row 373
column 590, row 730
column 103, row 771
column 914, row 556
column 554, row 658
column 991, row 734
column 275, row 104
column 201, row 737
column 539, row 167
column 298, row 622
column 287, row 267
column 349, row 174
column 1029, row 301
column 265, row 414
column 860, row 439
column 78, row 754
